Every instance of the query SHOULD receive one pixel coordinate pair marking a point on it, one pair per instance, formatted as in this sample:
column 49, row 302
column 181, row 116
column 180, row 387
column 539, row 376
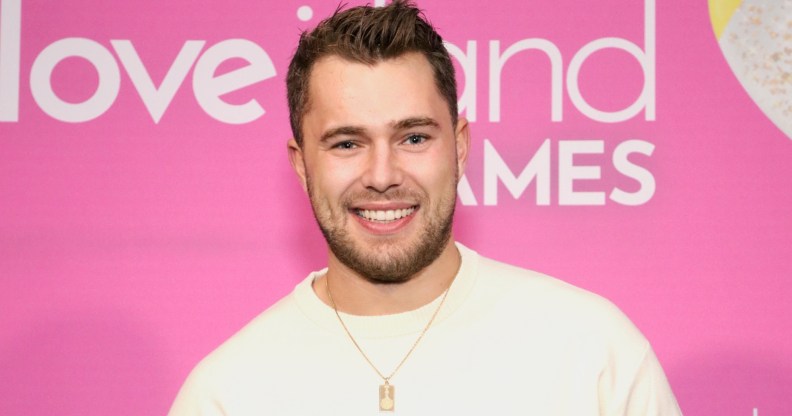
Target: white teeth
column 385, row 215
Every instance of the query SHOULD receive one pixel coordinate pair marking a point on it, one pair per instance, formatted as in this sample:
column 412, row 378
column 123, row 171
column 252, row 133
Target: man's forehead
column 395, row 93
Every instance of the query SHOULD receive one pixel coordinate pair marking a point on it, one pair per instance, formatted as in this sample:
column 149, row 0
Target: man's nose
column 383, row 169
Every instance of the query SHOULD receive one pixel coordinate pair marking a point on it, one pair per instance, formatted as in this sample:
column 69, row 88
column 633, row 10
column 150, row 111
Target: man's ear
column 462, row 145
column 297, row 162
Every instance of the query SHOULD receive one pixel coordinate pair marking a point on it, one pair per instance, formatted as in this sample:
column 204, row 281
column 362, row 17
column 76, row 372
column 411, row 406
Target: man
column 404, row 319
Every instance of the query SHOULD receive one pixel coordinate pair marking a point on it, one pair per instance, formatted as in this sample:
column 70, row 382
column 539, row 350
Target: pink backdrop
column 142, row 222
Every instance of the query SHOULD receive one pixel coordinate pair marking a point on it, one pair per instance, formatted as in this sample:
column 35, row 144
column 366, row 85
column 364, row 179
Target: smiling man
column 404, row 319
column 380, row 155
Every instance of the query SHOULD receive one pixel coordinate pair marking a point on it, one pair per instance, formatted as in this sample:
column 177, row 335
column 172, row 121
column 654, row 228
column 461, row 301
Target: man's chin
column 381, row 262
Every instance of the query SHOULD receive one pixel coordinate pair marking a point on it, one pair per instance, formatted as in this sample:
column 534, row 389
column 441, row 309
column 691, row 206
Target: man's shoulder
column 255, row 346
column 565, row 332
column 530, row 296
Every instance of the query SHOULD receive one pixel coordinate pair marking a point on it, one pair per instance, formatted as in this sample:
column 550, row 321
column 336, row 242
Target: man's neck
column 356, row 295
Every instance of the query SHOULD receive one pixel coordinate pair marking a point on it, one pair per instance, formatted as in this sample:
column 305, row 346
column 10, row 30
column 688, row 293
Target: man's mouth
column 385, row 216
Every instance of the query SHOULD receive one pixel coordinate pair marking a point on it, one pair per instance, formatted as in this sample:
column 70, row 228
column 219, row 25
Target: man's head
column 368, row 35
column 380, row 150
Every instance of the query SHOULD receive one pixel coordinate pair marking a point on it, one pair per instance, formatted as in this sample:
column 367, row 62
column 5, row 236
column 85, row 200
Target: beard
column 390, row 259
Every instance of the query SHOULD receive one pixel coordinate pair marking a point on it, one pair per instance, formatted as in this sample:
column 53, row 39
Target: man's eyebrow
column 341, row 131
column 406, row 123
column 415, row 122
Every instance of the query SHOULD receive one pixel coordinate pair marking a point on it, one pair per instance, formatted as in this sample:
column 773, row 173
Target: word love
column 208, row 87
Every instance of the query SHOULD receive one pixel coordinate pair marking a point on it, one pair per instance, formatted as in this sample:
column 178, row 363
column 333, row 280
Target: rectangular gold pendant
column 386, row 397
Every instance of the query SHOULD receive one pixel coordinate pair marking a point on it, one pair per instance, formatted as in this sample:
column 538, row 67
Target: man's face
column 380, row 160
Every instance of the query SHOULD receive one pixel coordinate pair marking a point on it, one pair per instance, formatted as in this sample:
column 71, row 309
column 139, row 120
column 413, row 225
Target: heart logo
column 756, row 39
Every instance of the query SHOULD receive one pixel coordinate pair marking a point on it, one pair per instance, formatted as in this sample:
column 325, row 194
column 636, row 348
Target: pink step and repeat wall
column 640, row 149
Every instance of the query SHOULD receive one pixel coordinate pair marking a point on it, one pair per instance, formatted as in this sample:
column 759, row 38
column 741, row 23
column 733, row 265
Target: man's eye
column 415, row 139
column 345, row 145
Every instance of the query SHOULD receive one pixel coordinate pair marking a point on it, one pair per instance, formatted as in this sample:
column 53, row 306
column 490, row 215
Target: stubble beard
column 386, row 262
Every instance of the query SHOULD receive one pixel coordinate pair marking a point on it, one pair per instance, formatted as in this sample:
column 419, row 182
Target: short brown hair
column 367, row 35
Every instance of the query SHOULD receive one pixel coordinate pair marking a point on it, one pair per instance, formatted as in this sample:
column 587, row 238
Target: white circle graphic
column 305, row 13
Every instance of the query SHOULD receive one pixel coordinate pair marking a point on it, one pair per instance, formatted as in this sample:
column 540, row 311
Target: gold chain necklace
column 386, row 390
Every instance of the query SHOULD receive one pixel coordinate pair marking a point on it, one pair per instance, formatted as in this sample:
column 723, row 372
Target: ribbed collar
column 383, row 326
